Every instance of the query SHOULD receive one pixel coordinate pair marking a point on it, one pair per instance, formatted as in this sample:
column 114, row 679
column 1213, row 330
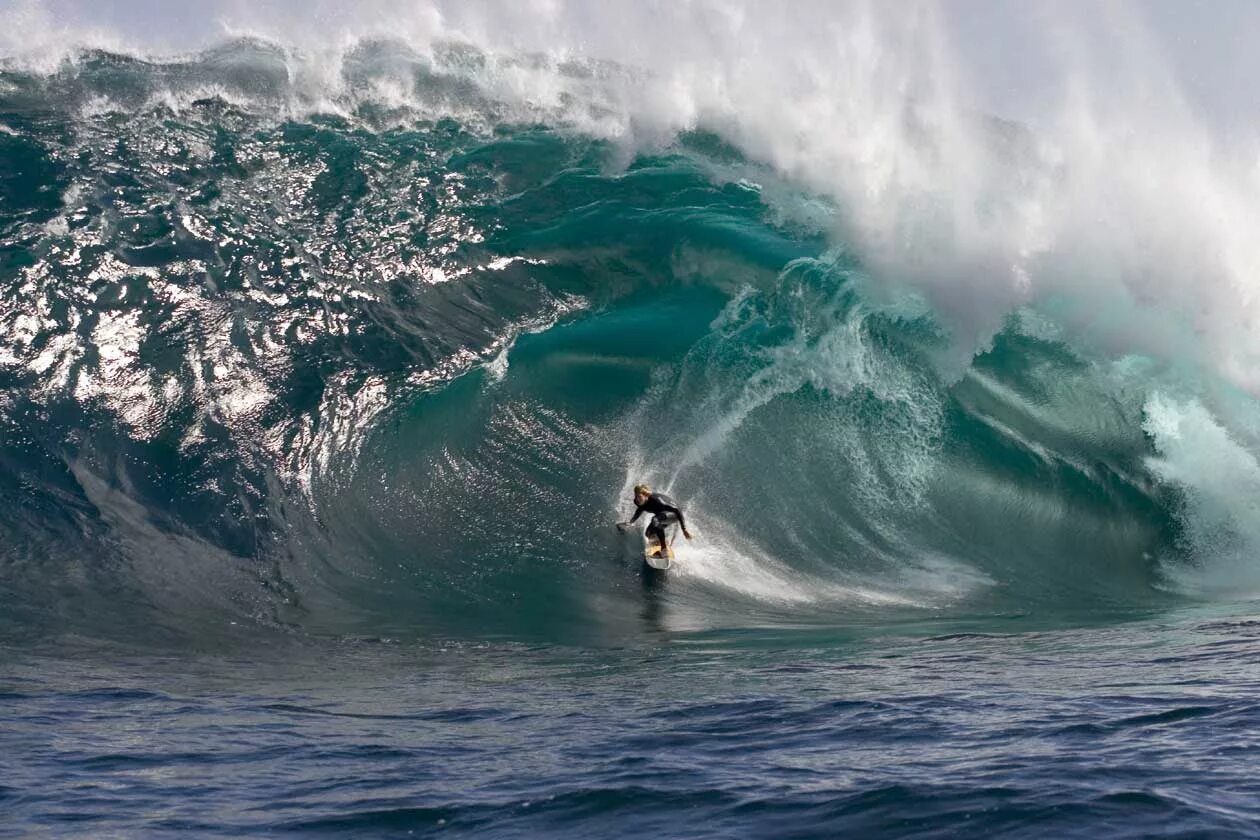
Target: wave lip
column 1127, row 213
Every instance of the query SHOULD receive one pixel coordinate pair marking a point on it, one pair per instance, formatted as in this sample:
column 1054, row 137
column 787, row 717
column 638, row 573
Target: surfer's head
column 641, row 493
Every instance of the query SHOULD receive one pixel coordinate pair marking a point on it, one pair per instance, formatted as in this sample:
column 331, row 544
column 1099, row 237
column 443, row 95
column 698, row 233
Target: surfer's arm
column 637, row 511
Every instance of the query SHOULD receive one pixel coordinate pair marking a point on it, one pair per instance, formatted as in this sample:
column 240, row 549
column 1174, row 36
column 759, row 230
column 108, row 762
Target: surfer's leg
column 656, row 530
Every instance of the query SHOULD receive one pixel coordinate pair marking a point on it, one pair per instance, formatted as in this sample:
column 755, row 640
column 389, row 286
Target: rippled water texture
column 1134, row 731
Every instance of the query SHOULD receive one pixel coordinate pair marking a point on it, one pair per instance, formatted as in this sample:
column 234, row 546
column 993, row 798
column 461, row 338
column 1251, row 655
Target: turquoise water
column 315, row 425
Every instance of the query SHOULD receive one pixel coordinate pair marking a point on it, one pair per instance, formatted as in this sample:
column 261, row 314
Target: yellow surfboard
column 653, row 556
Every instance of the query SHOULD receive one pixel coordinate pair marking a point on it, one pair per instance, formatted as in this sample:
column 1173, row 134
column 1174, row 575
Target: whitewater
column 333, row 340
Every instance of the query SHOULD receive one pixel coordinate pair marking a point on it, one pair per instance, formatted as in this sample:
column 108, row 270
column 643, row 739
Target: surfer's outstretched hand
column 622, row 526
column 687, row 534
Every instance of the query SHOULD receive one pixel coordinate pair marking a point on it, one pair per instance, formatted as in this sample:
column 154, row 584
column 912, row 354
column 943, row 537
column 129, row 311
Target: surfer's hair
column 643, row 489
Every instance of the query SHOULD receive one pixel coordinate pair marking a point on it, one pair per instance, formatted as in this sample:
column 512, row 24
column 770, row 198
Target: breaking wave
column 373, row 336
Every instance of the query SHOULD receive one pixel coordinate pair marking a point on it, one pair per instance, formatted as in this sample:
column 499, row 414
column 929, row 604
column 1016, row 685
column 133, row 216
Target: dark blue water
column 1136, row 730
column 315, row 422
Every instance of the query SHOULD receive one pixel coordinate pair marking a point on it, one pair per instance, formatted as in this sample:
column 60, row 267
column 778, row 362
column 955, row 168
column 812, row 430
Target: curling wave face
column 383, row 358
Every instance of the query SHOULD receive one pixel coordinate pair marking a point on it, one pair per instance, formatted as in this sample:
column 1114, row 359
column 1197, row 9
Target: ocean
column 327, row 372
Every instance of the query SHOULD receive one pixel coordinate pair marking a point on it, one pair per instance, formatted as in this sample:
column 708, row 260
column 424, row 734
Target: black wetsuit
column 664, row 513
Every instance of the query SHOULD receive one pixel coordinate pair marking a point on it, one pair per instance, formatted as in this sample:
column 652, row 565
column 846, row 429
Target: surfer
column 664, row 513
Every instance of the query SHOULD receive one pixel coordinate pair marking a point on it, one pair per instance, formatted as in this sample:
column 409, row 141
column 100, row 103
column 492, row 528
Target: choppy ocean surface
column 321, row 393
column 1138, row 729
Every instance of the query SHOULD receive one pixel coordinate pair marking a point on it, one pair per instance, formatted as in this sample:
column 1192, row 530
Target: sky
column 1209, row 48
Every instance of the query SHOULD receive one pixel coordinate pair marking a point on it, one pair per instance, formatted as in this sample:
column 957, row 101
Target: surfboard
column 653, row 557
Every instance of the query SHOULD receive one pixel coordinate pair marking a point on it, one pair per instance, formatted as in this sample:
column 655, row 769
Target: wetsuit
column 664, row 513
